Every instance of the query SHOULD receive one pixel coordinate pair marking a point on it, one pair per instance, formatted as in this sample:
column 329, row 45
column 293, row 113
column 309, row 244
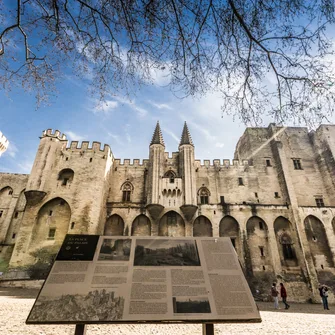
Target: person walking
column 274, row 295
column 324, row 296
column 283, row 295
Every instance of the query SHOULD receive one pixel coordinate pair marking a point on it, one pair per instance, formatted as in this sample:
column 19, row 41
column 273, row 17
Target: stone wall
column 260, row 200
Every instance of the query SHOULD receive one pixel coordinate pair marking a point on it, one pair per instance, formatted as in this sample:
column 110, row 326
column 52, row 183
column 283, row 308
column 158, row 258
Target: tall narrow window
column 10, row 192
column 286, row 242
column 240, row 181
column 261, row 225
column 277, row 195
column 52, row 233
column 261, row 249
column 297, row 164
column 222, row 200
column 16, row 215
column 319, row 202
column 268, row 162
column 204, row 195
column 127, row 188
column 172, row 218
column 1, row 212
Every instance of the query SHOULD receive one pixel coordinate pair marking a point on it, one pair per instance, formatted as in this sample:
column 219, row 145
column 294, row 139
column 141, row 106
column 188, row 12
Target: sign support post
column 207, row 329
column 80, row 329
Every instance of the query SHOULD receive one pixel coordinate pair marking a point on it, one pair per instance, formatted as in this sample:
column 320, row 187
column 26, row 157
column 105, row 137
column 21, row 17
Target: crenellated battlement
column 56, row 134
column 85, row 146
column 82, row 147
column 174, row 155
column 225, row 163
column 129, row 162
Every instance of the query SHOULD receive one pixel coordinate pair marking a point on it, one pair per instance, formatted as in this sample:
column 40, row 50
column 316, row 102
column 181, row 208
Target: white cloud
column 116, row 138
column 105, row 107
column 141, row 112
column 160, row 106
column 25, row 166
column 72, row 136
column 201, row 127
column 172, row 134
column 219, row 145
column 12, row 150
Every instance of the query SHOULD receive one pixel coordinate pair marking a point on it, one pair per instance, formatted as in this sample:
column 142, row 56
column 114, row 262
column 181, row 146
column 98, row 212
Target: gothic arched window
column 127, row 189
column 286, row 242
column 171, row 175
column 204, row 195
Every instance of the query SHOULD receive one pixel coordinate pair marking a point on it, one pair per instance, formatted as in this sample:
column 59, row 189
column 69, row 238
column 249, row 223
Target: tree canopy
column 269, row 57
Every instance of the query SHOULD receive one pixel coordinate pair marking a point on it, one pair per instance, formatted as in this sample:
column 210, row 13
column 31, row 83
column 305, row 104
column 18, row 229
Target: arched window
column 286, row 242
column 171, row 175
column 65, row 176
column 127, row 189
column 204, row 195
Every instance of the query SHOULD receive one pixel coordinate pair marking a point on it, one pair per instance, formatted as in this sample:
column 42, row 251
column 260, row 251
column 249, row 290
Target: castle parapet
column 129, row 162
column 84, row 146
column 56, row 134
column 217, row 163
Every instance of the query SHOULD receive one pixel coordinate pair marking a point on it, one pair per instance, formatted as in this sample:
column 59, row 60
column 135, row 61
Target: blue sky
column 127, row 126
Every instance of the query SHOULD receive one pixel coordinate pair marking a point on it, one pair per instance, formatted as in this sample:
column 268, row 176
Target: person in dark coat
column 283, row 295
column 324, row 296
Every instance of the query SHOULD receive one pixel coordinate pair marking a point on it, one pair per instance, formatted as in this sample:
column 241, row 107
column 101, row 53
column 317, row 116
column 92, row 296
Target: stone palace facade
column 275, row 200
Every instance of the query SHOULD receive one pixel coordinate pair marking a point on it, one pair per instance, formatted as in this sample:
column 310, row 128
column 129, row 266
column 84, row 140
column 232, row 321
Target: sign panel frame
column 137, row 279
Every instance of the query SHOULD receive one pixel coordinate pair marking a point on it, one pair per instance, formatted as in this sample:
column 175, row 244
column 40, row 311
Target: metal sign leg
column 207, row 329
column 80, row 329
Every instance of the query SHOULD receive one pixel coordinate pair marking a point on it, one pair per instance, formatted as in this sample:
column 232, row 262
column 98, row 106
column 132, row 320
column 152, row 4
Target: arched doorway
column 141, row 226
column 202, row 227
column 6, row 195
column 258, row 245
column 229, row 227
column 53, row 221
column 171, row 224
column 285, row 237
column 318, row 243
column 114, row 226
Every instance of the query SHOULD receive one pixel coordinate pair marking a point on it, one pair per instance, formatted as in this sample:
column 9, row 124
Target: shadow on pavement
column 18, row 293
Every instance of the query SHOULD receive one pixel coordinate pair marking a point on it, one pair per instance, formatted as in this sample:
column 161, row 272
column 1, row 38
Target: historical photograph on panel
column 167, row 252
column 191, row 305
column 78, row 248
column 97, row 305
column 115, row 250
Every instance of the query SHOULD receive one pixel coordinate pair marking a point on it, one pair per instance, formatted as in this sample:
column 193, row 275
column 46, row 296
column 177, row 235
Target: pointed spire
column 157, row 137
column 185, row 136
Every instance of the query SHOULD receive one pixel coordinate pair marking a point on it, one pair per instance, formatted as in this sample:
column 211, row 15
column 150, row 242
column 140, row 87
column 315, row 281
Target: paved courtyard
column 306, row 319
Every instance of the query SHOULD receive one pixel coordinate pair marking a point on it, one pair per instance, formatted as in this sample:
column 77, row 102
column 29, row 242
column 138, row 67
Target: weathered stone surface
column 264, row 200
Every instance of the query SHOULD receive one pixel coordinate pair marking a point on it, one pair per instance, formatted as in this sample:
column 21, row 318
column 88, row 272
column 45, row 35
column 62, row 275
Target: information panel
column 110, row 279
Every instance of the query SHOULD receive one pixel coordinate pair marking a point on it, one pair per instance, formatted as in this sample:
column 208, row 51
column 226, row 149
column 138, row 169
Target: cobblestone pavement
column 15, row 305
